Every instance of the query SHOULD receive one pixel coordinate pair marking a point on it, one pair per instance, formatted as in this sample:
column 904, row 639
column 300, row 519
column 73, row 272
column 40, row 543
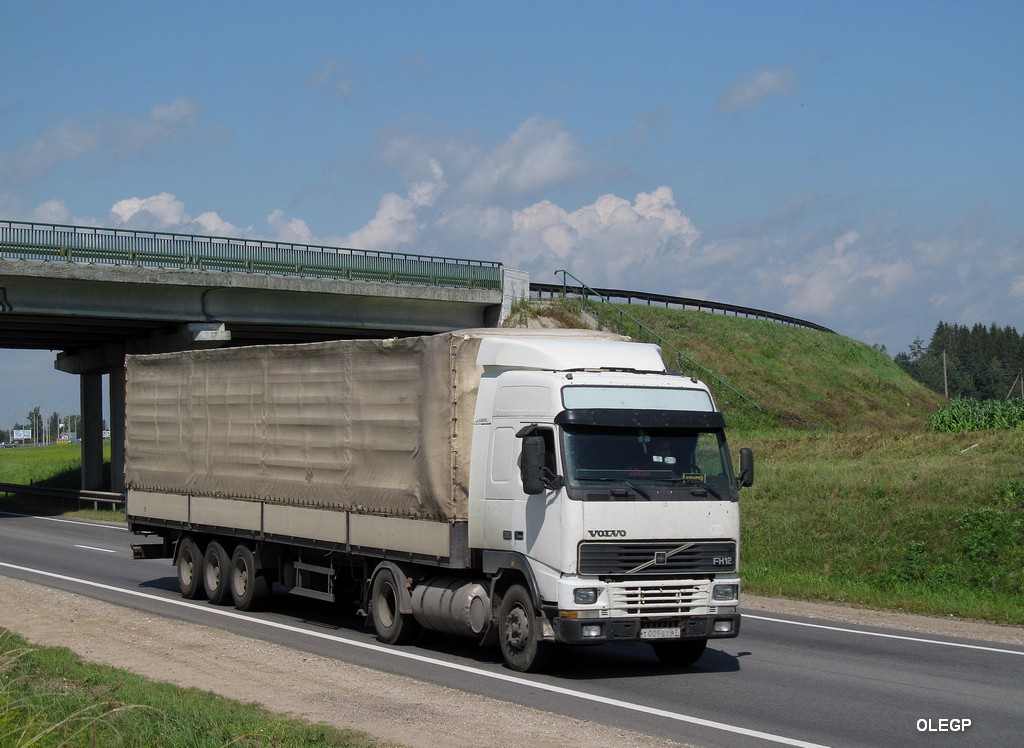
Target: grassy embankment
column 855, row 499
column 50, row 697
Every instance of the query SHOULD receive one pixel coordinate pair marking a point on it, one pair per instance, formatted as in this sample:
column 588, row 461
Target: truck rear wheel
column 249, row 588
column 680, row 653
column 518, row 633
column 392, row 626
column 190, row 568
column 217, row 574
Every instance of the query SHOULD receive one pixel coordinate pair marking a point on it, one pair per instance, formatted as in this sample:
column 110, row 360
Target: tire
column 190, row 568
column 680, row 653
column 392, row 626
column 518, row 634
column 249, row 587
column 217, row 574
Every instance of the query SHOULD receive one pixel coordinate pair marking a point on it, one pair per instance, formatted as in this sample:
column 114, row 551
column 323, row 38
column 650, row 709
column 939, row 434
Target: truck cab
column 608, row 505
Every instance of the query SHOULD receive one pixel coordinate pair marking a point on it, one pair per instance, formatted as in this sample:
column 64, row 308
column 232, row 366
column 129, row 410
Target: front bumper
column 602, row 630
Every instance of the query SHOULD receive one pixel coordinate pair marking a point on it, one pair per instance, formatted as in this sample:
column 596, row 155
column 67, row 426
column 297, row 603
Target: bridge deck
column 62, row 243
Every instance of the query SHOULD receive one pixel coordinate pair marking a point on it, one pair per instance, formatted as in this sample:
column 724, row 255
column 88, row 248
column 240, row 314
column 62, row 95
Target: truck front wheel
column 190, row 568
column 249, row 587
column 392, row 626
column 518, row 634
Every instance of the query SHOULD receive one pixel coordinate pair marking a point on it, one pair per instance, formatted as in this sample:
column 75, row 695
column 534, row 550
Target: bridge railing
column 639, row 331
column 103, row 246
column 552, row 290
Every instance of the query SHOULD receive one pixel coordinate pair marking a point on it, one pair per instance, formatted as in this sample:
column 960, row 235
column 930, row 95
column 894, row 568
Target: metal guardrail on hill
column 682, row 302
column 643, row 332
column 152, row 249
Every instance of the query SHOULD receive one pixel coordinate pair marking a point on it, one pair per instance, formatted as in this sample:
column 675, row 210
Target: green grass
column 50, row 697
column 56, row 465
column 921, row 522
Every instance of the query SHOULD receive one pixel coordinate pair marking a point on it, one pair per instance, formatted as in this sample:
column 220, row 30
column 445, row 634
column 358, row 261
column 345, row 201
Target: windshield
column 606, row 463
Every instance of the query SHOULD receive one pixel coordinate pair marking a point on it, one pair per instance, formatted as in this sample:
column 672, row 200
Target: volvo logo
column 607, row 533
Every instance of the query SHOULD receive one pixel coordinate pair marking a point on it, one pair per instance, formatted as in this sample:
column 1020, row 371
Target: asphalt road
column 785, row 680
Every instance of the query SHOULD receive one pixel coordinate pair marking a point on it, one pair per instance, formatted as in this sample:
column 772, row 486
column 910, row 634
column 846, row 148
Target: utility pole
column 1020, row 378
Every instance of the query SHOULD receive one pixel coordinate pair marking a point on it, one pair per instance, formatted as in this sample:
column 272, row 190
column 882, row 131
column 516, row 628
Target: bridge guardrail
column 65, row 243
column 559, row 289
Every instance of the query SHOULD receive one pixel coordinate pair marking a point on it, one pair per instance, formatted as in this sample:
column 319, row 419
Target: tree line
column 979, row 362
column 46, row 429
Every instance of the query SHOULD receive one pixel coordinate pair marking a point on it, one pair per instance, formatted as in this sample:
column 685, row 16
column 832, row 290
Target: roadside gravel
column 396, row 710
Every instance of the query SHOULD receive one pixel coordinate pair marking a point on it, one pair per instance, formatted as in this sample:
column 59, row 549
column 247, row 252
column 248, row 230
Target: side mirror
column 746, row 476
column 532, row 464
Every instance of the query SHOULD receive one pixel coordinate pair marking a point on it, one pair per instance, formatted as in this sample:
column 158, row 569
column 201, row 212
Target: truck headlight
column 723, row 592
column 584, row 595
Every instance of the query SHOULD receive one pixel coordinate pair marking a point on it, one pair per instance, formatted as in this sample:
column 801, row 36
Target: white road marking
column 93, row 548
column 394, row 652
column 881, row 635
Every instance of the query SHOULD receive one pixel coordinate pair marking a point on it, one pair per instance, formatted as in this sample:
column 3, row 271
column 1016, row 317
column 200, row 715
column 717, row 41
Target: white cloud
column 181, row 111
column 56, row 145
column 610, row 242
column 165, row 209
column 293, row 230
column 540, row 154
column 52, row 211
column 70, row 141
column 400, row 220
column 762, row 85
column 330, row 77
column 463, row 203
column 211, row 223
column 165, row 212
column 842, row 275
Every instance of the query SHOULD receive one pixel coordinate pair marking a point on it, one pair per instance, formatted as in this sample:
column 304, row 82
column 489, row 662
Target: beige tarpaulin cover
column 370, row 426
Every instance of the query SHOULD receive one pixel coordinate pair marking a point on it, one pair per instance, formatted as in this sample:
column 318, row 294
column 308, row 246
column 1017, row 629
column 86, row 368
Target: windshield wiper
column 631, row 484
column 639, row 490
column 698, row 484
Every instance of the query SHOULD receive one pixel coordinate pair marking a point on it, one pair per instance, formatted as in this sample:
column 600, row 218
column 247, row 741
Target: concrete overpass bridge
column 95, row 295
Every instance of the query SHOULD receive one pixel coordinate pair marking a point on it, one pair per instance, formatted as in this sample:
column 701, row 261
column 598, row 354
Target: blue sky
column 855, row 164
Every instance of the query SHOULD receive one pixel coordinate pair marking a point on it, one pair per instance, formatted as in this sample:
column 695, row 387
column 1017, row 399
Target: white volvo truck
column 525, row 488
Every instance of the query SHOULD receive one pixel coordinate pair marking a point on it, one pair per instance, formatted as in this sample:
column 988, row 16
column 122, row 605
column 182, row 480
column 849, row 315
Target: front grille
column 658, row 599
column 657, row 558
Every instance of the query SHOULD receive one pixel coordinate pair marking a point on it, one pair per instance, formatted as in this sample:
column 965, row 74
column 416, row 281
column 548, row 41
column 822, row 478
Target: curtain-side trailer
column 522, row 487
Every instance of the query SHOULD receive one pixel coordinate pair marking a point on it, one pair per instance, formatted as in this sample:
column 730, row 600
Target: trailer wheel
column 190, row 568
column 680, row 653
column 392, row 626
column 249, row 587
column 517, row 632
column 217, row 574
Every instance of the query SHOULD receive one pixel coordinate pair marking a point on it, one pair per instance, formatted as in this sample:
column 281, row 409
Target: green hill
column 854, row 500
column 801, row 378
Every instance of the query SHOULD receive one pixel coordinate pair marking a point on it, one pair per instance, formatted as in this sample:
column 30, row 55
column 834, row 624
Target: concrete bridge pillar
column 117, row 417
column 91, row 387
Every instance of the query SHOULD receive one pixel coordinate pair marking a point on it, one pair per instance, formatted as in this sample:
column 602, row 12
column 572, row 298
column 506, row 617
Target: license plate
column 673, row 632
